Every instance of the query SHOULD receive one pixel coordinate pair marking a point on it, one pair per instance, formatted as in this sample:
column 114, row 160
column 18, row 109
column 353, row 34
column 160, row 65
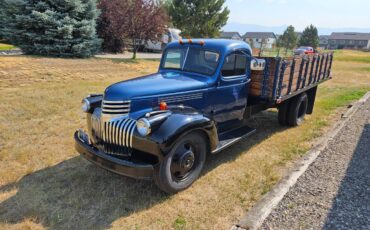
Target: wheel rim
column 184, row 161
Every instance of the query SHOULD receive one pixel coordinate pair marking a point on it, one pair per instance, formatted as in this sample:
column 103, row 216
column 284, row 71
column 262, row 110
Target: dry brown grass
column 45, row 184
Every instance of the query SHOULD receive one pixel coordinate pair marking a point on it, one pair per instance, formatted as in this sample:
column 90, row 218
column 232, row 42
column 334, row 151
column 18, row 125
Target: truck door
column 230, row 95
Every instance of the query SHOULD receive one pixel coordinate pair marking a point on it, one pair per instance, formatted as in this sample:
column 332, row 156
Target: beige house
column 265, row 40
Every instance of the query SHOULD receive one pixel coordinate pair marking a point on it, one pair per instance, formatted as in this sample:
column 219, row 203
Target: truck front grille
column 115, row 136
column 116, row 108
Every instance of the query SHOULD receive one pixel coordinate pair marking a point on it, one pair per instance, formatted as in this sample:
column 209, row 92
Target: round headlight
column 143, row 127
column 85, row 105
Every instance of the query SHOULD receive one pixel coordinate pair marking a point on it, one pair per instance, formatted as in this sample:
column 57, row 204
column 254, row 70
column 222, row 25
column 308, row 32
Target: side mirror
column 258, row 64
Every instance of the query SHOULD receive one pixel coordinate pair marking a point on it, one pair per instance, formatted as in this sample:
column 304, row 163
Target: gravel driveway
column 334, row 192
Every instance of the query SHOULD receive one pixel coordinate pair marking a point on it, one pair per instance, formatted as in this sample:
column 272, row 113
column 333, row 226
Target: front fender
column 179, row 124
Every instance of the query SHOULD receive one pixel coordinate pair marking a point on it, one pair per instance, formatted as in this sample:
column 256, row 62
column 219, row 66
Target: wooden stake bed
column 284, row 76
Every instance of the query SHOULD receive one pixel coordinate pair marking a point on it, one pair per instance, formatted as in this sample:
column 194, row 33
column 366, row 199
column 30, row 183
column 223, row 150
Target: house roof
column 350, row 36
column 262, row 35
column 229, row 34
column 324, row 37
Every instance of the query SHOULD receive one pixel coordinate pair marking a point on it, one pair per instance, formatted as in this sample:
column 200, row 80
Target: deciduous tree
column 146, row 19
column 198, row 18
column 289, row 39
column 279, row 44
column 138, row 20
column 111, row 24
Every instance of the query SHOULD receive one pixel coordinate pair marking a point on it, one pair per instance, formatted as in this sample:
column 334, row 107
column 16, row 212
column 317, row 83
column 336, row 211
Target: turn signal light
column 163, row 106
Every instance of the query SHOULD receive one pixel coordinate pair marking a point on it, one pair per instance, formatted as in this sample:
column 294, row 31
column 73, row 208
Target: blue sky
column 300, row 13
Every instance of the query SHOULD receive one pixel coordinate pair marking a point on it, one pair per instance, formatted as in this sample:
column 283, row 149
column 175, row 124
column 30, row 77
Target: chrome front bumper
column 109, row 162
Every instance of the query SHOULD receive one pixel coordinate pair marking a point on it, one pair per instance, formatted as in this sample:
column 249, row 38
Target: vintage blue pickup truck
column 163, row 126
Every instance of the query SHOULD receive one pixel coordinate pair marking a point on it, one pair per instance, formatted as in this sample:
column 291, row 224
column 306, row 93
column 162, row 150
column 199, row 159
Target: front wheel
column 183, row 164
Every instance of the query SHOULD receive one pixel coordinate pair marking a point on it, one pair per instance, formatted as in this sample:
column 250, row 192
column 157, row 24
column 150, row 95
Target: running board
column 229, row 138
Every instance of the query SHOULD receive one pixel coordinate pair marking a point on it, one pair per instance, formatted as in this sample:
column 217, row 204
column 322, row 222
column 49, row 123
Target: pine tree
column 289, row 39
column 198, row 18
column 64, row 28
column 8, row 10
column 310, row 37
column 2, row 18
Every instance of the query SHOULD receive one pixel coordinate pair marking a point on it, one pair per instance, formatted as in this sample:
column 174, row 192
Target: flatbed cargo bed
column 284, row 78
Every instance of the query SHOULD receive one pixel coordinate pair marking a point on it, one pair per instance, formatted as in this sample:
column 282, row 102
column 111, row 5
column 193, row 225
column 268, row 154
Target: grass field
column 45, row 184
column 6, row 47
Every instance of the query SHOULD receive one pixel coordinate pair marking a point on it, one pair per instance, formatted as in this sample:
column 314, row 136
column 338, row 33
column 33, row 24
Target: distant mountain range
column 243, row 28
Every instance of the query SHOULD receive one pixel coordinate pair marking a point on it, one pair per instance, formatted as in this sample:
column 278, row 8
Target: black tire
column 297, row 109
column 283, row 113
column 183, row 164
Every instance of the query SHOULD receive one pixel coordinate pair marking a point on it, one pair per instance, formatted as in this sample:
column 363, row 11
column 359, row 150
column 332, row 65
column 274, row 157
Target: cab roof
column 221, row 45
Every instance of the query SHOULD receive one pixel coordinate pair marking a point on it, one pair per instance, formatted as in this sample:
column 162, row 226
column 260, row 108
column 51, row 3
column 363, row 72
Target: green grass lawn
column 276, row 52
column 6, row 47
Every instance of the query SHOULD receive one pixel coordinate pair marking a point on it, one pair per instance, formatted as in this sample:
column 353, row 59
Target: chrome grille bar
column 115, row 136
column 115, row 102
column 116, row 108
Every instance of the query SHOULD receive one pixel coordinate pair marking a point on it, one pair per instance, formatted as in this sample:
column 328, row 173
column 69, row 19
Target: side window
column 235, row 65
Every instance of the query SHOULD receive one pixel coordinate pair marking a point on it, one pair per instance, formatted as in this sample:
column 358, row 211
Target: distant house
column 324, row 41
column 231, row 35
column 349, row 40
column 260, row 39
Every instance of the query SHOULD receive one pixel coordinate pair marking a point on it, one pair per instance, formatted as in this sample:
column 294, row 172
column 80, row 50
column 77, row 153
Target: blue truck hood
column 154, row 84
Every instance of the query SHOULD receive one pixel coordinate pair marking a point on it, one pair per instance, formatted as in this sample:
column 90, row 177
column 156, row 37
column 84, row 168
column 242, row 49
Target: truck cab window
column 235, row 65
column 191, row 59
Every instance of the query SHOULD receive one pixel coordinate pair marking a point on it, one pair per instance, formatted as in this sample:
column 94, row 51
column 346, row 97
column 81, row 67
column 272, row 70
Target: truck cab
column 163, row 126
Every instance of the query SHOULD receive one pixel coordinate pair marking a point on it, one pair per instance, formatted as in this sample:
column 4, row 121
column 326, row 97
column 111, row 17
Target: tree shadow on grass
column 76, row 194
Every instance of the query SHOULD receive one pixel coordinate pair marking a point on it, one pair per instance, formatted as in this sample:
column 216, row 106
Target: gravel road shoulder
column 334, row 192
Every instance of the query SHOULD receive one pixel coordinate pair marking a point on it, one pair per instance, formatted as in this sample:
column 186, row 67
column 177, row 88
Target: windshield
column 191, row 59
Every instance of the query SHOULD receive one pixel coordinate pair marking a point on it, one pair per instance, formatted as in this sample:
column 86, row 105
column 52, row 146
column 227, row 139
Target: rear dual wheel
column 292, row 111
column 183, row 164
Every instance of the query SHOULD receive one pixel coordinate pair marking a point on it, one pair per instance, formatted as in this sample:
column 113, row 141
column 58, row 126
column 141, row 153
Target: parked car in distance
column 304, row 50
column 163, row 126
